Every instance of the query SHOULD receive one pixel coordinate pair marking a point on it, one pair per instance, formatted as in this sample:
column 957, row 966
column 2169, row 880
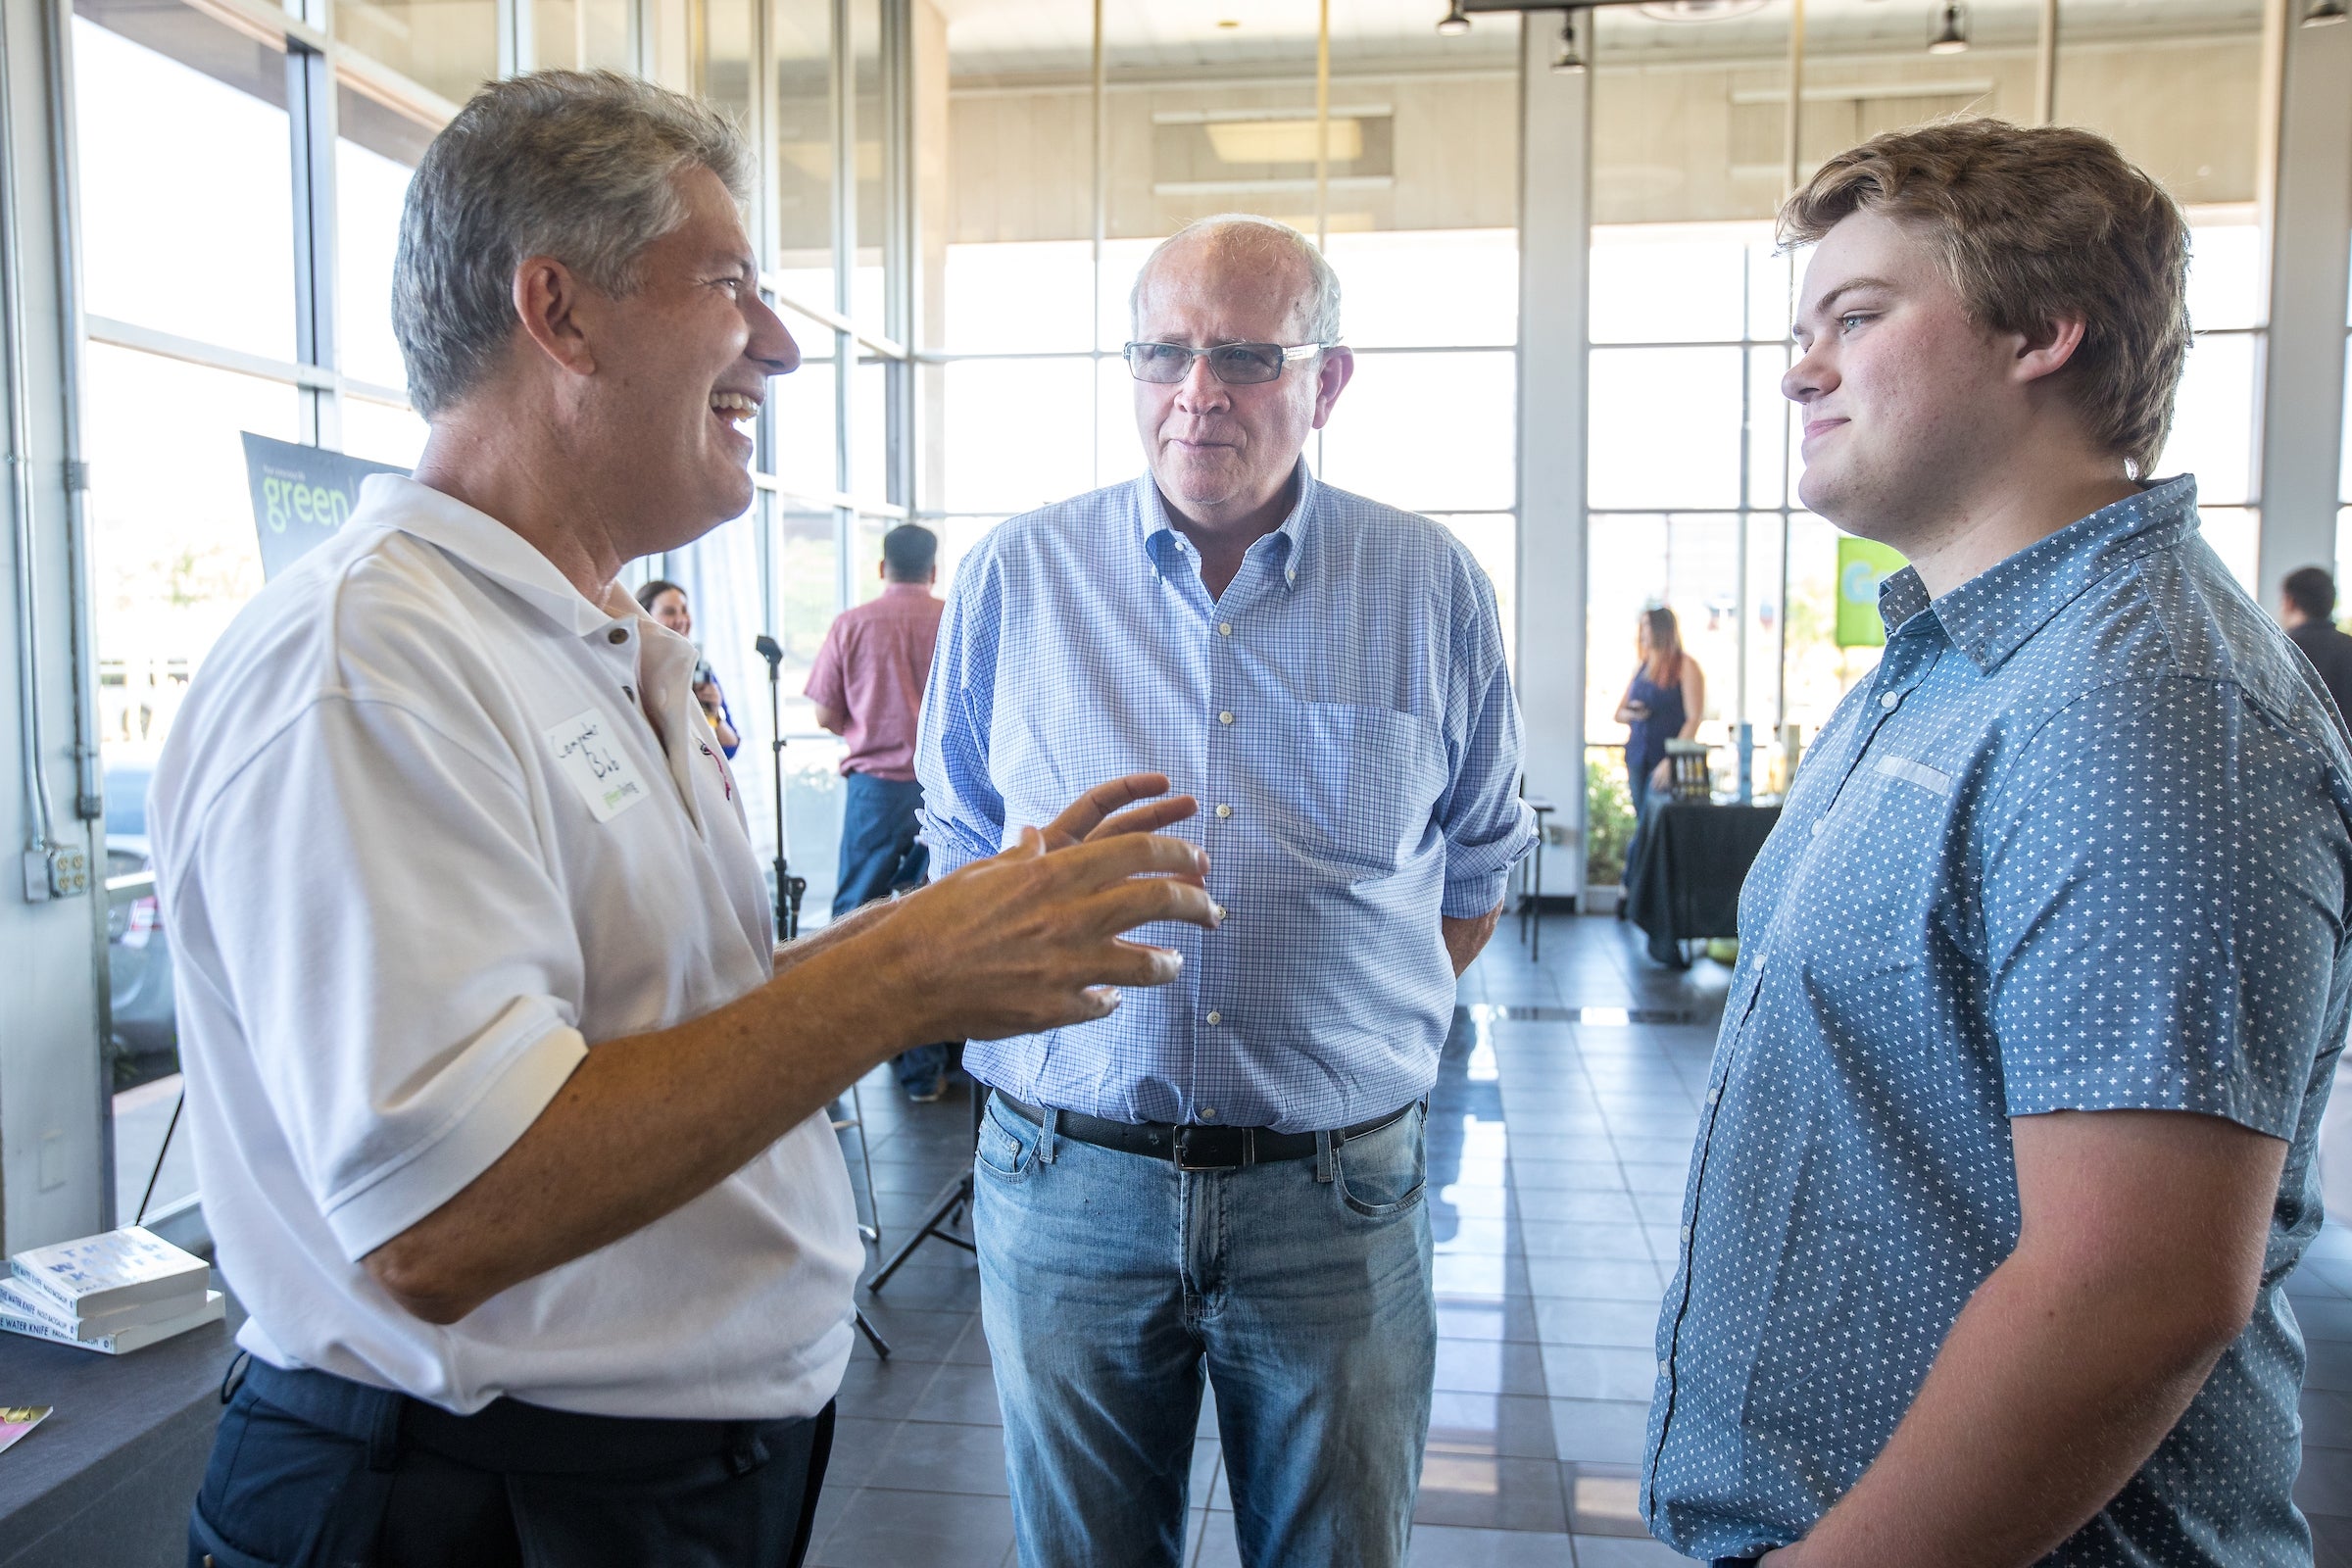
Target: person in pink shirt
column 867, row 685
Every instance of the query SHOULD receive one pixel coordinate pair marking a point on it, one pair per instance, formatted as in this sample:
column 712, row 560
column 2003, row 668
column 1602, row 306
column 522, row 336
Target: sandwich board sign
column 301, row 495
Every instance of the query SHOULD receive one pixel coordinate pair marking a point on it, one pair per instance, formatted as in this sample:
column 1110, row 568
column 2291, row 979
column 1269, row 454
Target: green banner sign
column 1862, row 565
column 301, row 495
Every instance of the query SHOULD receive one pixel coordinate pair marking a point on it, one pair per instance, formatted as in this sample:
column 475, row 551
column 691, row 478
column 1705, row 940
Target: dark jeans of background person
column 880, row 856
column 314, row 1471
column 1646, row 800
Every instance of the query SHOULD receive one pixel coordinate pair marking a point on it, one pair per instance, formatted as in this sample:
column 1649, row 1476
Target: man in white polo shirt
column 508, row 1114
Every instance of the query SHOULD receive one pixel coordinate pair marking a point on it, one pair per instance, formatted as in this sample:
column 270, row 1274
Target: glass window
column 382, row 432
column 803, row 48
column 1019, row 434
column 1023, row 297
column 2235, row 534
column 803, row 413
column 870, row 299
column 865, row 558
column 1816, row 672
column 173, row 546
column 450, row 46
column 869, row 432
column 185, row 145
column 807, row 558
column 582, row 35
column 2213, row 418
column 1493, row 538
column 723, row 71
column 1428, row 287
column 1665, row 428
column 1688, row 563
column 1429, row 432
column 376, row 150
column 957, row 537
column 1669, row 282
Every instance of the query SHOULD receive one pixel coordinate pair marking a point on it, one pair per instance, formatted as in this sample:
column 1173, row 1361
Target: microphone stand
column 789, row 890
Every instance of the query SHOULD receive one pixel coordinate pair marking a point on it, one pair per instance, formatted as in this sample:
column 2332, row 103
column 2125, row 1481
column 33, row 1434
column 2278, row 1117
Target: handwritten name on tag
column 589, row 753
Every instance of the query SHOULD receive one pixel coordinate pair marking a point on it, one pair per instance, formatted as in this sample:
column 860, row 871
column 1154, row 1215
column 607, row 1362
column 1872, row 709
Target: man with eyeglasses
column 1225, row 1176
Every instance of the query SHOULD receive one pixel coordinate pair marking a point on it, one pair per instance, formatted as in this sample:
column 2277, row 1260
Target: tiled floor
column 1559, row 1134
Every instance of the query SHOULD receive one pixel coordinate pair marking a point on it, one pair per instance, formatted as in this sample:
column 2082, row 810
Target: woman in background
column 665, row 602
column 1663, row 702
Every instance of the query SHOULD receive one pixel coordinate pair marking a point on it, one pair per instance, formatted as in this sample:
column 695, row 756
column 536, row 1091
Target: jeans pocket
column 1383, row 1173
column 208, row 1548
column 279, row 1492
column 1008, row 1146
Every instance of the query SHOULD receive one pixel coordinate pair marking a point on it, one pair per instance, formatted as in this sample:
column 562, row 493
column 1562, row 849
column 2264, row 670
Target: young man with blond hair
column 2007, row 1143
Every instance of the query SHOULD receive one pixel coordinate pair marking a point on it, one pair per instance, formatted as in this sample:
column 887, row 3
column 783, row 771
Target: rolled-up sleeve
column 964, row 812
column 1487, row 827
column 2164, row 907
column 371, row 894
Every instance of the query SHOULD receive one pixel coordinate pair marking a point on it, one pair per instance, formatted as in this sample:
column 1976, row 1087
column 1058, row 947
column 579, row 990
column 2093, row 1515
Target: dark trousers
column 879, row 855
column 315, row 1471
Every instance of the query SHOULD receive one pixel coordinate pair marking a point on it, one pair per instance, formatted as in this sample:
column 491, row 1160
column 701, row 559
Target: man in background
column 2307, row 610
column 1230, row 1175
column 867, row 685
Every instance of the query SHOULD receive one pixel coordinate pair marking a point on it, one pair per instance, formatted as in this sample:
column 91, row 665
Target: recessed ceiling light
column 1229, row 23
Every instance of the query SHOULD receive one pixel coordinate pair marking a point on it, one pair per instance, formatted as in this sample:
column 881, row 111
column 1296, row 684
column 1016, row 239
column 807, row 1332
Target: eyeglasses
column 1234, row 363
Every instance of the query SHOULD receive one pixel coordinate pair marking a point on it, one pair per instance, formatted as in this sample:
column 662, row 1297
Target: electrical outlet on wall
column 59, row 872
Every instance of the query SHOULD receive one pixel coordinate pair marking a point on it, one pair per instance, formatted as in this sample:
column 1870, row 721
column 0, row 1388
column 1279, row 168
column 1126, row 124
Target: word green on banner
column 1862, row 565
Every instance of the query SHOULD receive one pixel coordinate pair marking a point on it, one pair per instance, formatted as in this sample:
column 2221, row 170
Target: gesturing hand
column 1097, row 814
column 1029, row 939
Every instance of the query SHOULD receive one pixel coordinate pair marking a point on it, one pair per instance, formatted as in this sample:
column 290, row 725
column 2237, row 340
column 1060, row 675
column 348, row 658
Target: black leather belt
column 1191, row 1146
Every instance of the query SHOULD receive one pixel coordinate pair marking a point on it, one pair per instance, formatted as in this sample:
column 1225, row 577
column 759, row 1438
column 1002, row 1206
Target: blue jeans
column 1109, row 1283
column 880, row 855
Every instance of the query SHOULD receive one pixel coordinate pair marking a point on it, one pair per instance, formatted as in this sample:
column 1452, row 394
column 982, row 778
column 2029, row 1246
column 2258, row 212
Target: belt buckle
column 1211, row 1147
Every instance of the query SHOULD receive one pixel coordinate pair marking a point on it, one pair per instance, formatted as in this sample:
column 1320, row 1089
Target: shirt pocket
column 1358, row 795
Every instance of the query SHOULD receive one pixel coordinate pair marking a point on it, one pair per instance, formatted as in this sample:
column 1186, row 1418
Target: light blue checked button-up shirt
column 1343, row 714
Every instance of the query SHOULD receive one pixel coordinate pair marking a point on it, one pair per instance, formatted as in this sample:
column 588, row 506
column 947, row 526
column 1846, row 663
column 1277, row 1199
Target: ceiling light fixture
column 1564, row 58
column 1951, row 38
column 2320, row 13
column 1456, row 23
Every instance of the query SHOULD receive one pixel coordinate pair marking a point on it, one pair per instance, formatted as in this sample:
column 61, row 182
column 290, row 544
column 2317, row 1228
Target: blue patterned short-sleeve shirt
column 2083, row 842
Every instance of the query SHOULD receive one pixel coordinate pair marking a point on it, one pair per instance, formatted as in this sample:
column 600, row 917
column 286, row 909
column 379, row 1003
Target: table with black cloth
column 1684, row 883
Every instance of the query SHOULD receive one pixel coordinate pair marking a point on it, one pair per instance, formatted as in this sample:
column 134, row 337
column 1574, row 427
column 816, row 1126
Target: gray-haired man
column 509, row 1114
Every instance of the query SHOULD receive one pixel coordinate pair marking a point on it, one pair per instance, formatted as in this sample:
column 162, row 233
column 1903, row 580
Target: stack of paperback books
column 111, row 1294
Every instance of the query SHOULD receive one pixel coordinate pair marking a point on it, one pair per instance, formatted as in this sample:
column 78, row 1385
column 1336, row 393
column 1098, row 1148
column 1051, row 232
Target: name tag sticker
column 588, row 753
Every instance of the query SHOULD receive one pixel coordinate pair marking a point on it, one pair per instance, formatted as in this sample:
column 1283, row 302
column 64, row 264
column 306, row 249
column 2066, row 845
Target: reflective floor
column 1559, row 1134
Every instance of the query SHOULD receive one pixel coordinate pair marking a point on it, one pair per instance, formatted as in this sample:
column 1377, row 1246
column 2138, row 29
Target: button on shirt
column 2084, row 842
column 871, row 668
column 430, row 827
column 1365, row 783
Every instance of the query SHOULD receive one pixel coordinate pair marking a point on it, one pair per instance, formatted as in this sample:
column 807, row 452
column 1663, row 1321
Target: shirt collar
column 1287, row 543
column 479, row 541
column 1991, row 616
